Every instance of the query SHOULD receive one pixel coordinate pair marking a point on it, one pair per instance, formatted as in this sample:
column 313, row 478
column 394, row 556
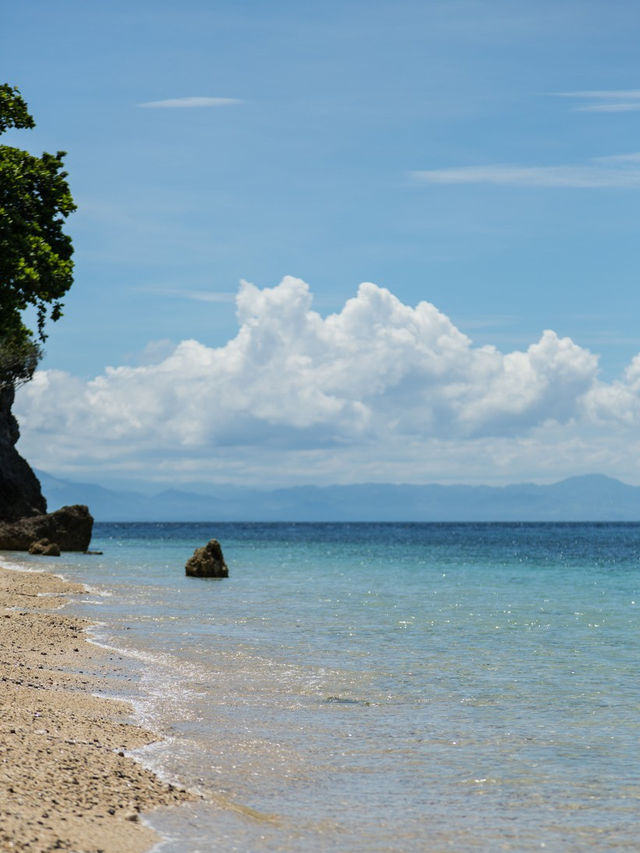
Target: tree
column 36, row 269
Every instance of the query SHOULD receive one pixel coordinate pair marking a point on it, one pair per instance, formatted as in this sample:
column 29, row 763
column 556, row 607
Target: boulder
column 70, row 528
column 44, row 547
column 207, row 562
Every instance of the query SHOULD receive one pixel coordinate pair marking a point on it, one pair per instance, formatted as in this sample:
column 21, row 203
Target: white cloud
column 624, row 100
column 617, row 172
column 182, row 103
column 620, row 107
column 601, row 94
column 380, row 390
column 632, row 157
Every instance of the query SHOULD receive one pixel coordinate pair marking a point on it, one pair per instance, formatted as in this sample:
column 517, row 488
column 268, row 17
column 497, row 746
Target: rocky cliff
column 20, row 494
column 23, row 508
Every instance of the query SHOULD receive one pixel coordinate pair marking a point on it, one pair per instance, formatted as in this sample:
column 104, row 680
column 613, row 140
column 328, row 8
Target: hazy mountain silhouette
column 593, row 497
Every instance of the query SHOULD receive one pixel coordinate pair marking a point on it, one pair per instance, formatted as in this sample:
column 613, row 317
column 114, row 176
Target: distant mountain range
column 587, row 498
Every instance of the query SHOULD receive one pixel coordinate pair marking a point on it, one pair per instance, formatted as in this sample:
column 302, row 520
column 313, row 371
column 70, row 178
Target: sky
column 338, row 243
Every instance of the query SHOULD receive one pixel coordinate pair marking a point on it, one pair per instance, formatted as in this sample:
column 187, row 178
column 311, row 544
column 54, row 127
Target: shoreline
column 65, row 780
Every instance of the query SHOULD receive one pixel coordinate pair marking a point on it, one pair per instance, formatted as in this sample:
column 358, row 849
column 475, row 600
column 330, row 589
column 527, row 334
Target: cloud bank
column 379, row 391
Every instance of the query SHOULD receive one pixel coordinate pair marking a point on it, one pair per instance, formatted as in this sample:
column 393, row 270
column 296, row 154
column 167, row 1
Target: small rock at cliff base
column 44, row 547
column 207, row 562
column 69, row 527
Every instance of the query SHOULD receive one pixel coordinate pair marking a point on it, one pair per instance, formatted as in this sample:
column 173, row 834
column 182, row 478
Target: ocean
column 381, row 687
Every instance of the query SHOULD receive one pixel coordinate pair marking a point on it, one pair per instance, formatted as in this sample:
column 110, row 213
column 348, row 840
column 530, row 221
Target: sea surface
column 381, row 687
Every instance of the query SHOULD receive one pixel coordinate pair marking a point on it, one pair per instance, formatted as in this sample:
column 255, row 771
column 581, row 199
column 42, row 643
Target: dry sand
column 65, row 782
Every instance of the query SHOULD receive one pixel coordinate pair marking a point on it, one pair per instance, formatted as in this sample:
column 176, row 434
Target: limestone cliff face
column 20, row 493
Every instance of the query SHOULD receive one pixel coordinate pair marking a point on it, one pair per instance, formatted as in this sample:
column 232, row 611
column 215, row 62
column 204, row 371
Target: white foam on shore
column 26, row 568
column 145, row 755
column 20, row 567
column 159, row 682
column 94, row 590
column 166, row 661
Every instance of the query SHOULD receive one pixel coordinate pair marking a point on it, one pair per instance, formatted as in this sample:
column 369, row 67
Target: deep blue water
column 383, row 686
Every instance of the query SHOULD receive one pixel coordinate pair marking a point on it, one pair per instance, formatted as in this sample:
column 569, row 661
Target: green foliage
column 19, row 358
column 36, row 269
column 13, row 110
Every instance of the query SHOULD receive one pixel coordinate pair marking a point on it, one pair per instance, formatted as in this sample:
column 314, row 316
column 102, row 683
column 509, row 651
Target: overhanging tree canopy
column 36, row 269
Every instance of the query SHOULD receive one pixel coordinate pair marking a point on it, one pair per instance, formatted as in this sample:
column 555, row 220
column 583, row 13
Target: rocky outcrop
column 20, row 493
column 207, row 562
column 70, row 528
column 24, row 521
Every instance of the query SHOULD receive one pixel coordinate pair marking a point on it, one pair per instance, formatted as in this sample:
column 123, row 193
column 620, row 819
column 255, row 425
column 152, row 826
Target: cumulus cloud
column 372, row 392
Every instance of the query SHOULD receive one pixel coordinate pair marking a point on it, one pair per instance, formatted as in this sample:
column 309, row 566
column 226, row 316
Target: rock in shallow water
column 207, row 562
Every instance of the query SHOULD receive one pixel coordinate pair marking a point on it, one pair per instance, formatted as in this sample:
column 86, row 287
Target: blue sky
column 479, row 156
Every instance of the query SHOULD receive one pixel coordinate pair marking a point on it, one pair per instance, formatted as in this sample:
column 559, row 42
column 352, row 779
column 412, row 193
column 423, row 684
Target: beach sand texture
column 65, row 782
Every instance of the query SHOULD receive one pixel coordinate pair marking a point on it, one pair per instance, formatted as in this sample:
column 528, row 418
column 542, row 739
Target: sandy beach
column 65, row 781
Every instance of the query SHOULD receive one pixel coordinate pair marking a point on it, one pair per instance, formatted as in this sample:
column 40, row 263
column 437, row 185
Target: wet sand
column 65, row 781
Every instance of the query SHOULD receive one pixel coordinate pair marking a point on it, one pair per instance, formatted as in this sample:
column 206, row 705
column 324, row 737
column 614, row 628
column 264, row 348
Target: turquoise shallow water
column 383, row 687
